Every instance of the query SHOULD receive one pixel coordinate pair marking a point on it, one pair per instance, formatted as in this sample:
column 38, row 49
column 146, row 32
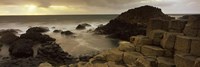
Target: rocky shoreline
column 149, row 38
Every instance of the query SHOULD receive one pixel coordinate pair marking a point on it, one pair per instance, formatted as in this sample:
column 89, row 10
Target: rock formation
column 38, row 29
column 132, row 22
column 161, row 48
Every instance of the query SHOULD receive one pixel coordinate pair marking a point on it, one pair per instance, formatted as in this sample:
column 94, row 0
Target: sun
column 31, row 8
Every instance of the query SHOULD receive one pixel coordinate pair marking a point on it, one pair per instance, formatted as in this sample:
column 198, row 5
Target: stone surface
column 8, row 38
column 131, row 57
column 169, row 40
column 177, row 26
column 165, row 62
column 45, row 65
column 146, row 62
column 126, row 46
column 152, row 51
column 183, row 43
column 195, row 46
column 142, row 40
column 184, row 60
column 157, row 24
column 67, row 33
column 21, row 48
column 197, row 62
column 37, row 29
column 156, row 36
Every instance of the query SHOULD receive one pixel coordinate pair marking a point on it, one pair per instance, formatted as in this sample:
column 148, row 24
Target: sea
column 81, row 43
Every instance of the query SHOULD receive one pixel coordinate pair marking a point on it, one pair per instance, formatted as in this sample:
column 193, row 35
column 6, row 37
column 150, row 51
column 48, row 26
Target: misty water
column 81, row 43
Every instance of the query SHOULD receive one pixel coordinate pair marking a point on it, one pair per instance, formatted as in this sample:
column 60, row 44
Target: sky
column 63, row 7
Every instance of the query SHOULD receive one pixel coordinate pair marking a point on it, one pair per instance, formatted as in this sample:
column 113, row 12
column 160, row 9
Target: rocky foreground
column 177, row 45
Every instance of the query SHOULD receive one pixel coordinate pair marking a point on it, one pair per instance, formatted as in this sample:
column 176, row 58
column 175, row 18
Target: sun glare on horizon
column 31, row 8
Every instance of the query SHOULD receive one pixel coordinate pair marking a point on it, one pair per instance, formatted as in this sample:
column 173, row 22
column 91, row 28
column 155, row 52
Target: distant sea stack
column 132, row 22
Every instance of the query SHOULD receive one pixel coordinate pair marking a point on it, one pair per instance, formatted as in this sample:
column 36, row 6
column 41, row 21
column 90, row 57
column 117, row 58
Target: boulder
column 8, row 38
column 126, row 46
column 86, row 24
column 54, row 54
column 14, row 31
column 57, row 31
column 165, row 62
column 114, row 64
column 35, row 36
column 21, row 48
column 80, row 27
column 182, row 60
column 152, row 51
column 177, row 26
column 67, row 33
column 183, row 43
column 38, row 29
column 195, row 45
column 138, row 48
column 169, row 40
column 156, row 36
column 169, row 53
column 131, row 57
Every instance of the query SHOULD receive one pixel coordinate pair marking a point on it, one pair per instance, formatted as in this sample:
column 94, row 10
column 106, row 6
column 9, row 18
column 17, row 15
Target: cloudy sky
column 46, row 7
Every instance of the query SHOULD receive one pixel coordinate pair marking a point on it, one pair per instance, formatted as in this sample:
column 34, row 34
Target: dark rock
column 15, row 31
column 35, row 36
column 57, row 31
column 54, row 54
column 131, row 23
column 21, row 48
column 67, row 33
column 80, row 27
column 22, row 62
column 8, row 38
column 85, row 24
column 38, row 29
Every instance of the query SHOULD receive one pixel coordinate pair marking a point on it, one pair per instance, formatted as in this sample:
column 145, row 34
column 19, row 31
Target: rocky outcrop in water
column 67, row 33
column 14, row 31
column 132, row 22
column 8, row 38
column 38, row 29
column 53, row 53
column 82, row 26
column 35, row 36
column 21, row 48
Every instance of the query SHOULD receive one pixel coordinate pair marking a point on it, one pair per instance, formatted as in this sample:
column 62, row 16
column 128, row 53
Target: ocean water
column 81, row 43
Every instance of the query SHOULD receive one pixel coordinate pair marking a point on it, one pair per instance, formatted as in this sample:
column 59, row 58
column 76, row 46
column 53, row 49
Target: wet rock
column 86, row 24
column 131, row 23
column 57, row 31
column 35, row 36
column 38, row 29
column 80, row 27
column 197, row 62
column 53, row 53
column 8, row 38
column 22, row 62
column 142, row 40
column 67, row 33
column 14, row 31
column 45, row 65
column 21, row 48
